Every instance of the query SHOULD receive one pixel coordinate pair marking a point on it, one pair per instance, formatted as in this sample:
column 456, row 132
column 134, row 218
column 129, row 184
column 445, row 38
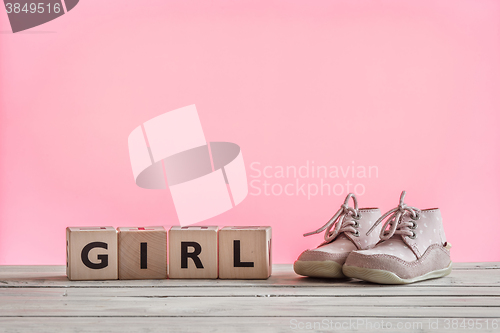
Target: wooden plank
column 238, row 324
column 41, row 299
column 455, row 307
column 283, row 275
column 369, row 291
column 476, row 265
column 276, row 267
column 103, row 295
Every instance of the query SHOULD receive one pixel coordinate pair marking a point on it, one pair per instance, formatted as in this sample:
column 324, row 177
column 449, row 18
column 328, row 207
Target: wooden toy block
column 91, row 253
column 245, row 253
column 192, row 252
column 142, row 253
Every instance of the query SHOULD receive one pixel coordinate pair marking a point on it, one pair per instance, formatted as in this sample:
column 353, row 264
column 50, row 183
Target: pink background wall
column 411, row 87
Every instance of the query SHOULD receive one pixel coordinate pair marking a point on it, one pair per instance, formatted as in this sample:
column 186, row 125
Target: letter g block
column 91, row 253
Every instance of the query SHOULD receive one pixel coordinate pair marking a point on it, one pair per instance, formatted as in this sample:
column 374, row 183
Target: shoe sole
column 386, row 277
column 320, row 269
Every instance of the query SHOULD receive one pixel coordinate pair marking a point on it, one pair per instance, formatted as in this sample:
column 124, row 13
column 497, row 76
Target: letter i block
column 91, row 253
column 193, row 252
column 245, row 253
column 142, row 253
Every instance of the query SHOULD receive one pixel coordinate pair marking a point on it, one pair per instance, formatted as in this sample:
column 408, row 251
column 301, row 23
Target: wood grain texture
column 91, row 253
column 229, row 324
column 245, row 252
column 462, row 276
column 42, row 299
column 207, row 259
column 247, row 306
column 142, row 253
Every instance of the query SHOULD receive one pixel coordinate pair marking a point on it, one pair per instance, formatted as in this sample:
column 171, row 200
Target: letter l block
column 245, row 252
column 91, row 253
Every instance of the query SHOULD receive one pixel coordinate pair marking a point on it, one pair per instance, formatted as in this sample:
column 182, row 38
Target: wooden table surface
column 41, row 299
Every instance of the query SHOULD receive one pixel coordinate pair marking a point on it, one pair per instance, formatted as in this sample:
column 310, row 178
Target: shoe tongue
column 396, row 238
column 343, row 236
column 342, row 243
column 340, row 236
column 399, row 239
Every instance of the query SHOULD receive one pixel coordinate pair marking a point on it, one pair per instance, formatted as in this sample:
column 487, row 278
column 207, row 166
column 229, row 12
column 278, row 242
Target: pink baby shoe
column 412, row 249
column 349, row 234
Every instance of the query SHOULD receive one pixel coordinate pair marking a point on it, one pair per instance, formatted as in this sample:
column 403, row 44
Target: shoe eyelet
column 357, row 216
column 356, row 234
column 416, row 218
column 413, row 236
column 356, row 224
column 414, row 226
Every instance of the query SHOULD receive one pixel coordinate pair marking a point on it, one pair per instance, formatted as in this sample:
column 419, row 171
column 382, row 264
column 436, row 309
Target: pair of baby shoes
column 409, row 247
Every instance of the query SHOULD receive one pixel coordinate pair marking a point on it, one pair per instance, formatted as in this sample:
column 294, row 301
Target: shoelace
column 394, row 219
column 339, row 219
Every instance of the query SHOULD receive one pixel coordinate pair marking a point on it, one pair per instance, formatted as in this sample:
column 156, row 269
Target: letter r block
column 142, row 253
column 245, row 253
column 91, row 253
column 192, row 252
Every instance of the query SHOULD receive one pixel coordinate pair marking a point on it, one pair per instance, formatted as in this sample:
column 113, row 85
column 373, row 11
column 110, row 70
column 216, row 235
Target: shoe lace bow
column 395, row 220
column 339, row 220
